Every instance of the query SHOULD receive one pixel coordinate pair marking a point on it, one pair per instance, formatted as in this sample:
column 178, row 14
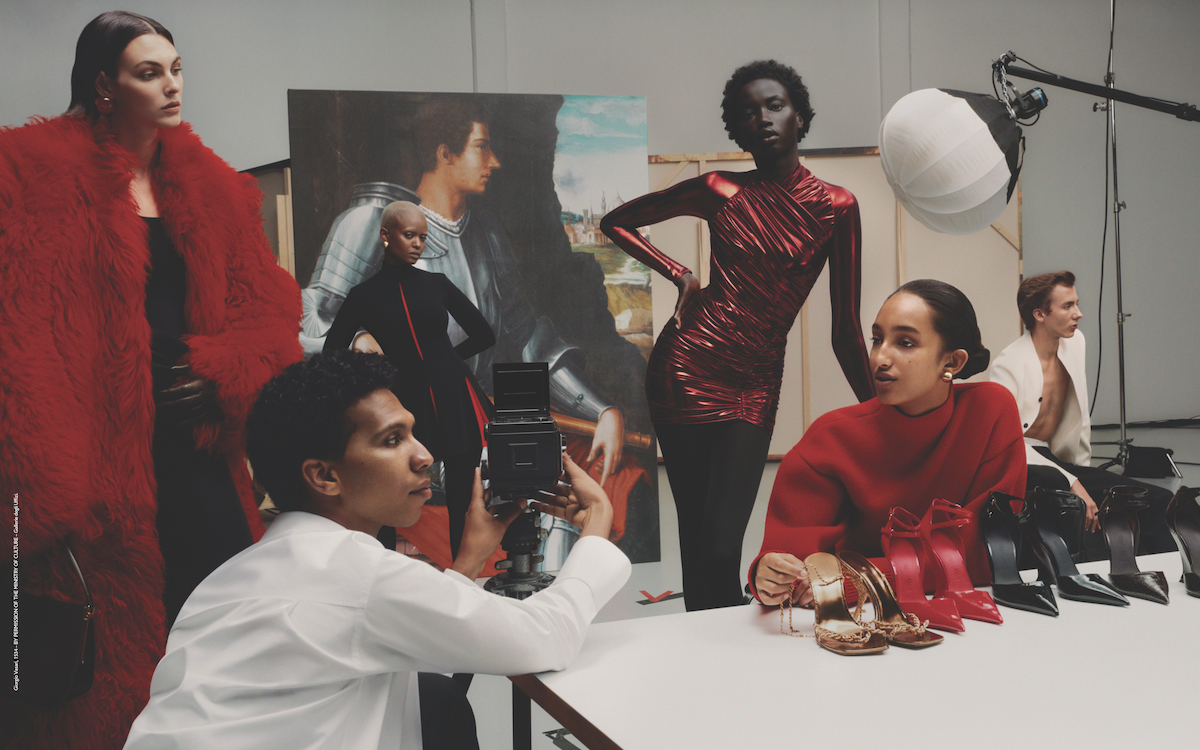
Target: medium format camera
column 525, row 447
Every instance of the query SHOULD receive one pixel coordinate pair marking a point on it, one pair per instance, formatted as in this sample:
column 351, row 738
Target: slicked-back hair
column 301, row 414
column 1034, row 293
column 775, row 71
column 445, row 120
column 954, row 320
column 99, row 47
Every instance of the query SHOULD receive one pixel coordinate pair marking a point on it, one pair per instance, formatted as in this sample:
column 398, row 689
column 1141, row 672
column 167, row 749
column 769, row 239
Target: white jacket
column 1018, row 369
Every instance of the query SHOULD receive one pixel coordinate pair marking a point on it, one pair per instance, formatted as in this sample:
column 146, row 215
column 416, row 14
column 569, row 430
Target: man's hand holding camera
column 577, row 499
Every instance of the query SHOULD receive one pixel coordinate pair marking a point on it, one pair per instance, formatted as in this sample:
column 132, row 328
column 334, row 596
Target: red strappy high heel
column 901, row 540
column 940, row 533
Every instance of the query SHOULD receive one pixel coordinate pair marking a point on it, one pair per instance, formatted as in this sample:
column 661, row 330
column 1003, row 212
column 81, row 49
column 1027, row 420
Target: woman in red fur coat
column 140, row 313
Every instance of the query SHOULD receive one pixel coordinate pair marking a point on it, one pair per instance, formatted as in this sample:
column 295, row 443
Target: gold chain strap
column 818, row 631
column 787, row 604
column 912, row 625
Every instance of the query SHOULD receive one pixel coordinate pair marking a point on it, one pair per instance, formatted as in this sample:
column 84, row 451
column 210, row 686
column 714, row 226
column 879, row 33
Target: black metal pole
column 1183, row 111
column 1118, row 206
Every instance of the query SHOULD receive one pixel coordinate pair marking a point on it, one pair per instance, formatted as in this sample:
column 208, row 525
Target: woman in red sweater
column 920, row 438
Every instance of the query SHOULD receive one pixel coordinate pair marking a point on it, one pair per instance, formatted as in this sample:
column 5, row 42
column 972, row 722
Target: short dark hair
column 100, row 45
column 1034, row 293
column 776, row 71
column 301, row 414
column 447, row 120
column 954, row 320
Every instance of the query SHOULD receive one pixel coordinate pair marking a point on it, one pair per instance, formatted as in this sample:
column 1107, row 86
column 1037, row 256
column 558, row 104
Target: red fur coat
column 76, row 410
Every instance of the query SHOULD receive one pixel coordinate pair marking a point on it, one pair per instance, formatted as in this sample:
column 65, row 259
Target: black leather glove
column 190, row 401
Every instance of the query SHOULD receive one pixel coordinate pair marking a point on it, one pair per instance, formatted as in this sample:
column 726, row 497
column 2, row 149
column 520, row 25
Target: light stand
column 1001, row 70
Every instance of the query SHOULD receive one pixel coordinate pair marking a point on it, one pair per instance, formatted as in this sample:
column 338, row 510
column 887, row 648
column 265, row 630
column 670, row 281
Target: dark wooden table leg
column 522, row 720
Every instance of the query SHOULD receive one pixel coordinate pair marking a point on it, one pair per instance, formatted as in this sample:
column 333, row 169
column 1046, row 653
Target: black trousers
column 714, row 470
column 1155, row 535
column 447, row 720
column 200, row 520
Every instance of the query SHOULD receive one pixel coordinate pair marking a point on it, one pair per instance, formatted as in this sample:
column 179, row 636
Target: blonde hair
column 393, row 211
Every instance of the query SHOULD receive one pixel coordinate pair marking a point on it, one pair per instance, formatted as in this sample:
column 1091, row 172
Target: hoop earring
column 104, row 104
column 947, row 376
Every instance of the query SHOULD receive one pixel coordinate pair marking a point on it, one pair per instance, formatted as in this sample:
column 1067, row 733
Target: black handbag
column 54, row 648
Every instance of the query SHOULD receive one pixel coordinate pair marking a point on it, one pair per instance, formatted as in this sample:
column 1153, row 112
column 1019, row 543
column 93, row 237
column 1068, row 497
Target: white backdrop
column 858, row 56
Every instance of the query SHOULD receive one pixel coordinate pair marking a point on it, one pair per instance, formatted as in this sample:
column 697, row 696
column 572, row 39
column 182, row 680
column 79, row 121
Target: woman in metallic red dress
column 714, row 376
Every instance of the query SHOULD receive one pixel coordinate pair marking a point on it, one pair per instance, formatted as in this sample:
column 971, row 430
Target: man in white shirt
column 1044, row 370
column 313, row 637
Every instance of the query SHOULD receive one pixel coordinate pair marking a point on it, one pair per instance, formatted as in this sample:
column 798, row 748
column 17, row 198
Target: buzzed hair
column 393, row 211
column 1034, row 293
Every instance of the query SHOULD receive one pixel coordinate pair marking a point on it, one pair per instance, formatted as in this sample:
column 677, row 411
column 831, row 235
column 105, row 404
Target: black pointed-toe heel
column 1119, row 519
column 1066, row 513
column 1183, row 518
column 1055, row 564
column 1002, row 530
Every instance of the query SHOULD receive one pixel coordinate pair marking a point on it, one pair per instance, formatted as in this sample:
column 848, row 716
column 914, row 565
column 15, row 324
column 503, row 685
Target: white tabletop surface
column 1096, row 676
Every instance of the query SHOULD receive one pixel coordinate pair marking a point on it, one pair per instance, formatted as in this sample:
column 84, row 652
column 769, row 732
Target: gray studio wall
column 858, row 57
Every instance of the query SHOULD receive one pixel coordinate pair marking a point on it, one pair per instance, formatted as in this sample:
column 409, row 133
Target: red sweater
column 836, row 487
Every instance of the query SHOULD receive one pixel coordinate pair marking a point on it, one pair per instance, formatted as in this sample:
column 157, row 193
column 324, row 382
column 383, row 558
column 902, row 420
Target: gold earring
column 947, row 376
column 385, row 243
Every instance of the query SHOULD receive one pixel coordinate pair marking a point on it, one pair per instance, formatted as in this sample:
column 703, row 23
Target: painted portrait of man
column 482, row 169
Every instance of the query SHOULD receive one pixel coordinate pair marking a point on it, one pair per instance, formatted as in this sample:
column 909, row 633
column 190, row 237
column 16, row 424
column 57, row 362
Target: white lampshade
column 951, row 157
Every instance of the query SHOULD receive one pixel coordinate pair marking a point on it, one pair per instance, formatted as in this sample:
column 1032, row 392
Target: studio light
column 951, row 157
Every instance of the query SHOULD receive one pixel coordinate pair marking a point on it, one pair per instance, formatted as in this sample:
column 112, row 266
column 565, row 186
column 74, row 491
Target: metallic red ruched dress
column 770, row 241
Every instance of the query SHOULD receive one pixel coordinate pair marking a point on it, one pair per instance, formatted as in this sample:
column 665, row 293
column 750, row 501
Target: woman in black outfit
column 405, row 309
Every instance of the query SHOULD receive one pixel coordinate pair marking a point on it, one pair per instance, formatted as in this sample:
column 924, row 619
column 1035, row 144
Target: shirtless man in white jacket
column 1044, row 369
column 314, row 637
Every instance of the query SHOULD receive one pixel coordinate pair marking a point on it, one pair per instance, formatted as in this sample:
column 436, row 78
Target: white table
column 1096, row 676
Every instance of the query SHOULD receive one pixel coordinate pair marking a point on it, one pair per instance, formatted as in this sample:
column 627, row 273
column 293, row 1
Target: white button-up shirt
column 312, row 638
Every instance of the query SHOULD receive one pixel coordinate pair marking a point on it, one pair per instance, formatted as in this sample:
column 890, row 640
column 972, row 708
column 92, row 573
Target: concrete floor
column 491, row 697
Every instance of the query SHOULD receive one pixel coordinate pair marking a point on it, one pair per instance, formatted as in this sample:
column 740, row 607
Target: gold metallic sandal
column 836, row 629
column 899, row 627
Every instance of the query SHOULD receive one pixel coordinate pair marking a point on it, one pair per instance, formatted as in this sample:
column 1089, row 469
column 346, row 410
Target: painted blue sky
column 601, row 149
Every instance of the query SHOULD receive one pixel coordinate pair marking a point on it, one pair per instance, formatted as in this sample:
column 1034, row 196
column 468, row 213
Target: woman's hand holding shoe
column 777, row 573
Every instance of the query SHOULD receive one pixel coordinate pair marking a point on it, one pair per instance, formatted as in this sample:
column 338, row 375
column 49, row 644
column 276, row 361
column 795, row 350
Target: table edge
column 572, row 720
